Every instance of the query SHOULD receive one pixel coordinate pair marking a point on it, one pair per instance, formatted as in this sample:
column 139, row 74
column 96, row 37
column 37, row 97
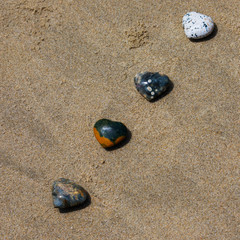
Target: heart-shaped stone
column 151, row 85
column 66, row 193
column 197, row 25
column 109, row 133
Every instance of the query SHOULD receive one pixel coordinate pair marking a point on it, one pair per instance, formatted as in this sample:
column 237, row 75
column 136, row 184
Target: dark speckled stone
column 109, row 133
column 67, row 193
column 151, row 85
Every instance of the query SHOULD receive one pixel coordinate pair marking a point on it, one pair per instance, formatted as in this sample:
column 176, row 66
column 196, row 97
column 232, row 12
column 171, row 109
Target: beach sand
column 64, row 65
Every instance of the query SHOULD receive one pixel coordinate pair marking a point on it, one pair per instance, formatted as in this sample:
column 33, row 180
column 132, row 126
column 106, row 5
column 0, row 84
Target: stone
column 197, row 25
column 67, row 194
column 109, row 133
column 151, row 85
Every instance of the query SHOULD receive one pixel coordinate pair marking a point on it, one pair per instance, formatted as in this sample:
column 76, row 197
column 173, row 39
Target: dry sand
column 67, row 63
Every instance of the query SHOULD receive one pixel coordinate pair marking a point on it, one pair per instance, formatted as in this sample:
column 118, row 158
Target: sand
column 64, row 65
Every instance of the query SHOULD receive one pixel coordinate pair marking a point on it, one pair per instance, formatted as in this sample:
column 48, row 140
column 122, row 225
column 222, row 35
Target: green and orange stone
column 109, row 133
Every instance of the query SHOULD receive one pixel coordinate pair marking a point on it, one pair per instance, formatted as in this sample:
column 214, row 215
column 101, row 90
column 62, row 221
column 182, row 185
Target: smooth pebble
column 197, row 25
column 109, row 133
column 67, row 194
column 151, row 85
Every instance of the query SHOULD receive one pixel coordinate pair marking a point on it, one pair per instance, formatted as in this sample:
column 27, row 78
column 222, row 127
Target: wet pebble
column 197, row 25
column 151, row 85
column 67, row 194
column 109, row 133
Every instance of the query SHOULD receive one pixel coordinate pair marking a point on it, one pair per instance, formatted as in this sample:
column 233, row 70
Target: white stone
column 197, row 25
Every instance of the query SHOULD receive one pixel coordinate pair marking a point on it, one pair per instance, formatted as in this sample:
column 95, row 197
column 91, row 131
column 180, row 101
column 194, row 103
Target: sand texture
column 67, row 63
